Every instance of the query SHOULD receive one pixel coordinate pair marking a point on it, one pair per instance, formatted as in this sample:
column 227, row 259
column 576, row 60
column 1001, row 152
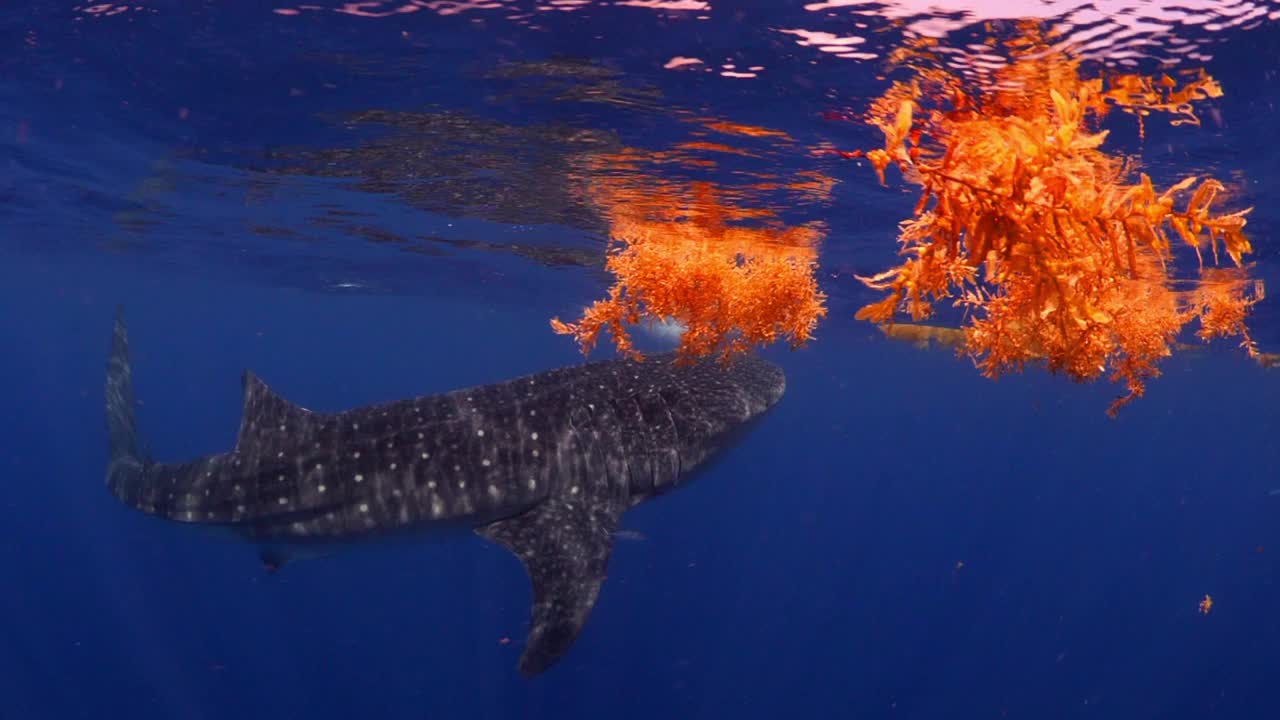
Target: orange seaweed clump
column 731, row 286
column 1054, row 252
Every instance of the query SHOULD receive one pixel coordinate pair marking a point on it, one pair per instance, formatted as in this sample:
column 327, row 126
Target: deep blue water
column 900, row 537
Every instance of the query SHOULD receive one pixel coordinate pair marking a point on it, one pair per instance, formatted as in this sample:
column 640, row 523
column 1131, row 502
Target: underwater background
column 368, row 201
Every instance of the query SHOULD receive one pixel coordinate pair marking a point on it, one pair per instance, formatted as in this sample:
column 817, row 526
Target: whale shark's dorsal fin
column 565, row 547
column 265, row 414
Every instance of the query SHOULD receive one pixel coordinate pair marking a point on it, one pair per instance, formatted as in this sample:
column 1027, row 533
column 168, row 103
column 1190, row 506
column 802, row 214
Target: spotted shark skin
column 543, row 465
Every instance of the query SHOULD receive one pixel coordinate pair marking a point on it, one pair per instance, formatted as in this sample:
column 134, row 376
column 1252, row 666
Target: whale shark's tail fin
column 126, row 471
column 200, row 490
column 122, row 429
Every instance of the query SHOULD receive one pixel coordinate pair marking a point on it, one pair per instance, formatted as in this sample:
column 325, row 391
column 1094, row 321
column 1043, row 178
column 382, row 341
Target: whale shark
column 544, row 465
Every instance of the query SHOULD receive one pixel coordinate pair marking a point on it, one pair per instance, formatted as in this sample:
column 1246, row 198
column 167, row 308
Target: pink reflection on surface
column 371, row 9
column 109, row 9
column 667, row 4
column 390, row 8
column 925, row 16
column 679, row 62
column 449, row 7
column 1121, row 31
column 830, row 43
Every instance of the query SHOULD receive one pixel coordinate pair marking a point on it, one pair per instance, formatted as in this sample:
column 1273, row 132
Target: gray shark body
column 543, row 465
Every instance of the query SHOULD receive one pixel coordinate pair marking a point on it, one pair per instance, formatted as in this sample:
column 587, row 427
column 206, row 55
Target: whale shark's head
column 712, row 406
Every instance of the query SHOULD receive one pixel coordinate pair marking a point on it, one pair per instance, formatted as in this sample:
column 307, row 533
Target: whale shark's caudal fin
column 565, row 547
column 127, row 469
column 122, row 430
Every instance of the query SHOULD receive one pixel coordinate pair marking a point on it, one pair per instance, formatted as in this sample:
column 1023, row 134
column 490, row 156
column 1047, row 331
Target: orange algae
column 1045, row 240
column 731, row 286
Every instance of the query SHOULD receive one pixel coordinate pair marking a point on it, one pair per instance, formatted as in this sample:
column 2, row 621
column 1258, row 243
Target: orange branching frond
column 1056, row 254
column 1141, row 94
column 1222, row 300
column 731, row 288
column 611, row 314
column 732, row 276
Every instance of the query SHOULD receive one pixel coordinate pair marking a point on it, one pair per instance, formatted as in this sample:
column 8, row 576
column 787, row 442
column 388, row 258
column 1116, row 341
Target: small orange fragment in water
column 504, row 640
column 1206, row 604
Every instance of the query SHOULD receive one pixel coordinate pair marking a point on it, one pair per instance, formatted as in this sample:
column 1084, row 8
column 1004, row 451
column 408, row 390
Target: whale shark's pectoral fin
column 565, row 548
